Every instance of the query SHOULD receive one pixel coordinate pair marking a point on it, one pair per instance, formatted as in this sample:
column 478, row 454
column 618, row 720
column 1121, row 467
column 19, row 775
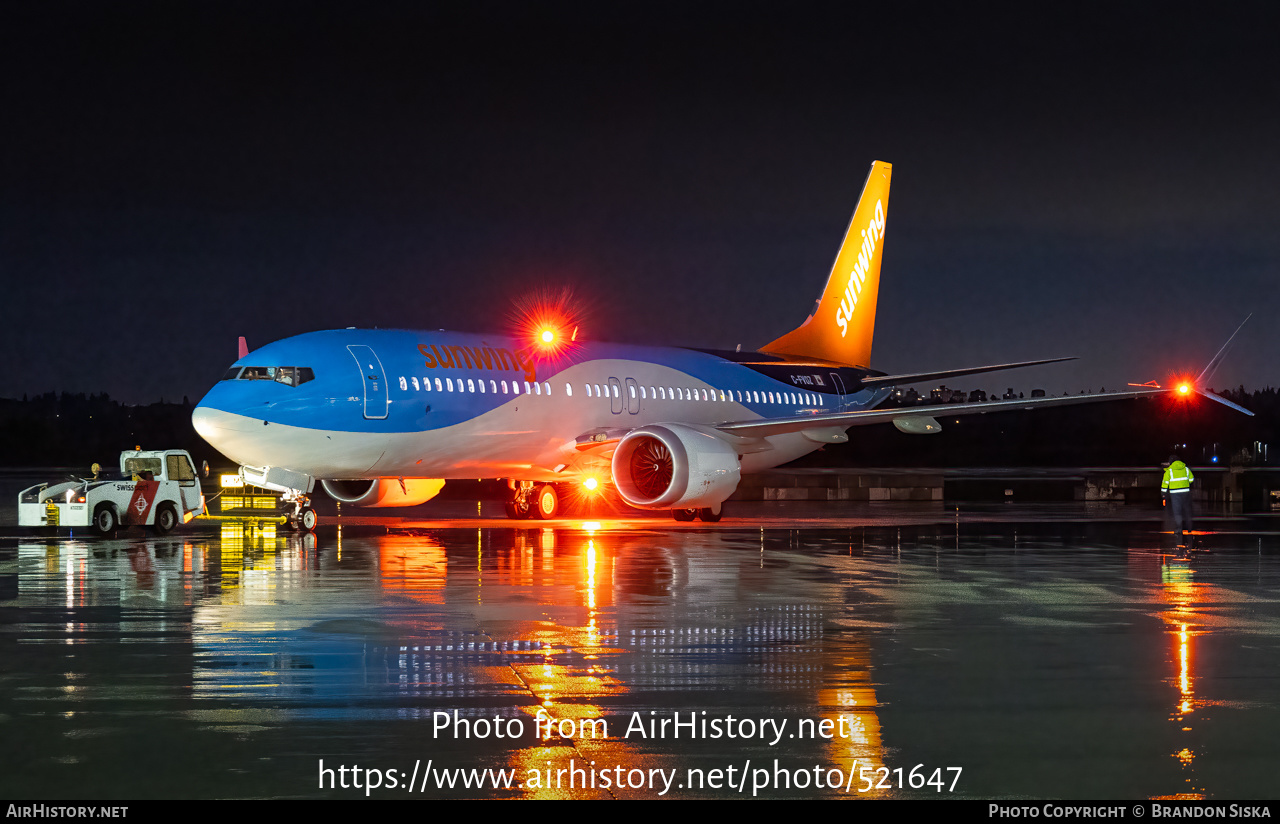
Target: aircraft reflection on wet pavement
column 643, row 662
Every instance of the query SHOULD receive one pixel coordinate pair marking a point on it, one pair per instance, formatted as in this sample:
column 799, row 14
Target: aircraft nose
column 226, row 432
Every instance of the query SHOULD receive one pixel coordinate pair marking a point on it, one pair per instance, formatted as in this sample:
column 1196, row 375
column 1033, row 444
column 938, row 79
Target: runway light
column 548, row 336
column 1184, row 389
column 590, row 484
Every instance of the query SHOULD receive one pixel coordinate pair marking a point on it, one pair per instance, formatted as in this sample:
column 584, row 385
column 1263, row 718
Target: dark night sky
column 1100, row 180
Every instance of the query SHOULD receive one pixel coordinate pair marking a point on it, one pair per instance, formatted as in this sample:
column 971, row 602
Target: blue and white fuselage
column 396, row 403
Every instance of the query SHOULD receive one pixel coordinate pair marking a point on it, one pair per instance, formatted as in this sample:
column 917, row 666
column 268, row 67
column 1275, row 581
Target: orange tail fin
column 841, row 326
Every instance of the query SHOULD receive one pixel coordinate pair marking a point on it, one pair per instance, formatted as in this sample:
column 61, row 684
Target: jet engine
column 670, row 466
column 384, row 491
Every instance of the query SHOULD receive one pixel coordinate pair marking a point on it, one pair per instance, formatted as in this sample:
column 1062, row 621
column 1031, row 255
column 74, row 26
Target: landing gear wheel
column 104, row 520
column 546, row 505
column 684, row 514
column 711, row 514
column 517, row 510
column 166, row 520
column 307, row 519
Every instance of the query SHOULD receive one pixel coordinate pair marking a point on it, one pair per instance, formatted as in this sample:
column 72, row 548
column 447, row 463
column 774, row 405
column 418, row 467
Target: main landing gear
column 530, row 500
column 708, row 514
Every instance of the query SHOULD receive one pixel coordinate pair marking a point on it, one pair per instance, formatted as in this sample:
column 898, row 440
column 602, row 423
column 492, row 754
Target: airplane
column 383, row 418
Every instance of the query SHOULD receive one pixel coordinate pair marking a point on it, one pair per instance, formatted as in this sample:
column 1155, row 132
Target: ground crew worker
column 1176, row 489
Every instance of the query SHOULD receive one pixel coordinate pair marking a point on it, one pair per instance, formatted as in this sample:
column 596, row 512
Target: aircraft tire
column 104, row 520
column 684, row 514
column 546, row 504
column 711, row 514
column 307, row 519
column 166, row 520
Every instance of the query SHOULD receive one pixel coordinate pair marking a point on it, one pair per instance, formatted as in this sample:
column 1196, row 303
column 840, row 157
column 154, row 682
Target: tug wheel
column 166, row 519
column 104, row 520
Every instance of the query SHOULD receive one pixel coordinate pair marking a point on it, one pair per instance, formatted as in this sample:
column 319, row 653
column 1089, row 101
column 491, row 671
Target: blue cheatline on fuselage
column 422, row 381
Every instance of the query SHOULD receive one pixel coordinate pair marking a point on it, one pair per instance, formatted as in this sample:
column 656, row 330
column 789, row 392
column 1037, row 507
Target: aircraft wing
column 799, row 423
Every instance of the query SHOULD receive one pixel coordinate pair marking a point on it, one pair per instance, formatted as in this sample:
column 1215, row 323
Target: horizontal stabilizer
column 920, row 377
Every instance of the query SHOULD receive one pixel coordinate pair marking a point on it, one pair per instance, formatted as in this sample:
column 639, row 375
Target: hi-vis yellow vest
column 1177, row 478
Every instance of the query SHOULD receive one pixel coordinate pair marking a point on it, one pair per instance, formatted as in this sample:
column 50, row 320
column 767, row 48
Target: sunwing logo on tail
column 858, row 275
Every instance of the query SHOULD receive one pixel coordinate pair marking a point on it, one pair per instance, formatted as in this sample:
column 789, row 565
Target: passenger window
column 568, row 390
column 632, row 390
column 471, row 387
column 547, row 387
column 404, row 384
column 439, row 388
column 415, row 384
column 515, row 388
column 480, row 385
column 449, row 383
column 504, row 388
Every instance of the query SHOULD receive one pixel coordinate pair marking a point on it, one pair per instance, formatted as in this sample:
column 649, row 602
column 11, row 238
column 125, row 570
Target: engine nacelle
column 670, row 466
column 384, row 491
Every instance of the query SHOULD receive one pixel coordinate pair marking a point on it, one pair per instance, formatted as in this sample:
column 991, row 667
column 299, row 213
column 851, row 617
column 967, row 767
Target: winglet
column 1210, row 367
column 842, row 324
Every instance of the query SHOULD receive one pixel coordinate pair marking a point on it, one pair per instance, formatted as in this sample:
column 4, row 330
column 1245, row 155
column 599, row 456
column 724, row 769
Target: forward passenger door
column 374, row 380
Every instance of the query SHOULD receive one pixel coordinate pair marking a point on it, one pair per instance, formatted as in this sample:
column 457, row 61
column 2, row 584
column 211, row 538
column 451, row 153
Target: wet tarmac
column 793, row 650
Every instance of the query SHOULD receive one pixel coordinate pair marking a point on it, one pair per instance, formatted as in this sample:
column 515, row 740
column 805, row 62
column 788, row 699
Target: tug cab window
column 135, row 467
column 179, row 469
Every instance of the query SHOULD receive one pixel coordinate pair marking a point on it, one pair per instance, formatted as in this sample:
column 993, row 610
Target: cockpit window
column 288, row 375
column 231, row 373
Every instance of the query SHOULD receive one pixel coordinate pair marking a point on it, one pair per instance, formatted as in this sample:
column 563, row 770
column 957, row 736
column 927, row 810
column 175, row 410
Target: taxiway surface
column 794, row 650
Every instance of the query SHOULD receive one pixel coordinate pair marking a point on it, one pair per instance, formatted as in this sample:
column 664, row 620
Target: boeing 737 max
column 384, row 417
